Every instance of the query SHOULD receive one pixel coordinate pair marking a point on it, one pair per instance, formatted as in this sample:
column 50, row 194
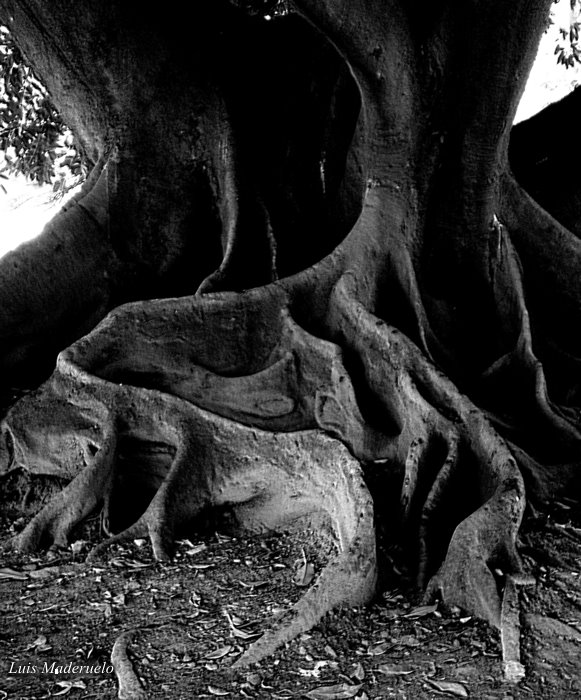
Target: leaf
column 304, row 574
column 129, row 563
column 195, row 549
column 39, row 644
column 256, row 584
column 313, row 672
column 357, row 672
column 214, row 690
column 394, row 670
column 237, row 632
column 379, row 649
column 409, row 640
column 219, row 653
column 334, row 692
column 247, row 636
column 67, row 686
column 456, row 689
column 105, row 608
column 422, row 611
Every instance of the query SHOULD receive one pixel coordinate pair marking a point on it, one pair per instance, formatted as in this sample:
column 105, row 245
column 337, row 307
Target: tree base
column 124, row 420
column 115, row 441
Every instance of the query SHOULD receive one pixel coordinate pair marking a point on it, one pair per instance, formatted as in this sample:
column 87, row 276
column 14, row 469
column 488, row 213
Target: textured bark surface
column 318, row 266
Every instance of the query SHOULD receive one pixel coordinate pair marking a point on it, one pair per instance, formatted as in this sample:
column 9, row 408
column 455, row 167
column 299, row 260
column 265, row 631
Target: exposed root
column 130, row 687
column 72, row 505
column 514, row 671
column 485, row 539
column 432, row 507
column 135, row 531
column 270, row 478
column 152, row 372
column 238, row 405
column 350, row 576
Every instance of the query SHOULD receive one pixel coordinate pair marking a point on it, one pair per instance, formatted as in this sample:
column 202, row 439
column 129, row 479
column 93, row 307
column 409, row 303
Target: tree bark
column 317, row 265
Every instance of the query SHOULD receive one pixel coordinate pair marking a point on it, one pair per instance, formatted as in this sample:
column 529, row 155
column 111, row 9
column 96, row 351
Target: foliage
column 568, row 50
column 34, row 140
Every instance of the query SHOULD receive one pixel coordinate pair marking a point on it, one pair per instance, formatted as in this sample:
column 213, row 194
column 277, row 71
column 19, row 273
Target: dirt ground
column 186, row 623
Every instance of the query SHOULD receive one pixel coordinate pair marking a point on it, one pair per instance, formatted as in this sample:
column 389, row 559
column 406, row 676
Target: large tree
column 301, row 262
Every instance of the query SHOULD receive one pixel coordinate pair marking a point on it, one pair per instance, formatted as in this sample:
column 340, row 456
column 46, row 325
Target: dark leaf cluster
column 567, row 50
column 34, row 140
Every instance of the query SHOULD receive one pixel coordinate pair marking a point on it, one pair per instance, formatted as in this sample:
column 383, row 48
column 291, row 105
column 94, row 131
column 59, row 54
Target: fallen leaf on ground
column 314, row 672
column 240, row 633
column 256, row 584
column 105, row 608
column 129, row 563
column 408, row 640
column 394, row 670
column 219, row 653
column 379, row 649
column 214, row 690
column 195, row 598
column 304, row 571
column 195, row 549
column 39, row 644
column 357, row 672
column 334, row 692
column 67, row 686
column 304, row 574
column 456, row 689
column 246, row 636
column 422, row 611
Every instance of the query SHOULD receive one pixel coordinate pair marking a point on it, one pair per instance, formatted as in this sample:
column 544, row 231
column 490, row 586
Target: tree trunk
column 319, row 267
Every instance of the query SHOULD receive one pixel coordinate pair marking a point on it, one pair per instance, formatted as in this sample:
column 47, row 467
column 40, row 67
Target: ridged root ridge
column 273, row 479
column 476, row 490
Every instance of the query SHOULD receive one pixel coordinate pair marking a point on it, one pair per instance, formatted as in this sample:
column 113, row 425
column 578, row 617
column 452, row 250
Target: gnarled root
column 270, row 478
column 473, row 501
column 148, row 373
column 129, row 686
